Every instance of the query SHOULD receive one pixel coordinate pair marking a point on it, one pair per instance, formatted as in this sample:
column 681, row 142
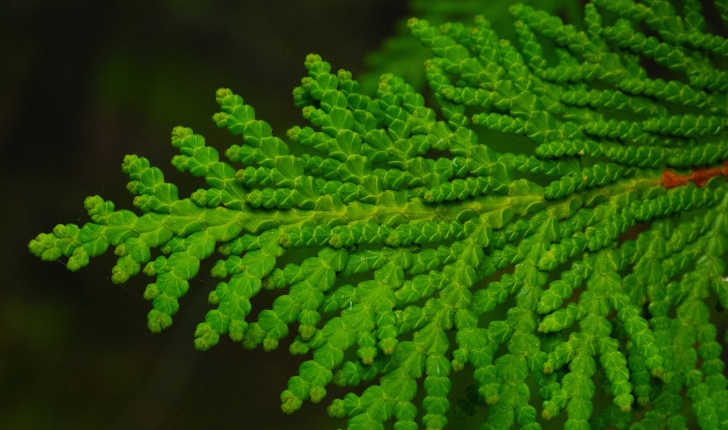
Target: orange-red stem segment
column 671, row 179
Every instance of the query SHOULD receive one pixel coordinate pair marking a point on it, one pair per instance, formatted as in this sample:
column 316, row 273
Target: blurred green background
column 84, row 82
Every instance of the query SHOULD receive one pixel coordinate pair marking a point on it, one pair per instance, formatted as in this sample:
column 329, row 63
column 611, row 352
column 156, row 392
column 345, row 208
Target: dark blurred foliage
column 84, row 82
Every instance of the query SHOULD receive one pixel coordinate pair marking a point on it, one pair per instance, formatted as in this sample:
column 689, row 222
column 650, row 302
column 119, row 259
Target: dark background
column 85, row 82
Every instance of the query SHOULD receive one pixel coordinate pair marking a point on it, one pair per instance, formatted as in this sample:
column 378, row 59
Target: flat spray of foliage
column 438, row 230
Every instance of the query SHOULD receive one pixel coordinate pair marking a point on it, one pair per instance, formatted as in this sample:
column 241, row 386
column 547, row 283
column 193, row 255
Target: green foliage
column 403, row 55
column 526, row 269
